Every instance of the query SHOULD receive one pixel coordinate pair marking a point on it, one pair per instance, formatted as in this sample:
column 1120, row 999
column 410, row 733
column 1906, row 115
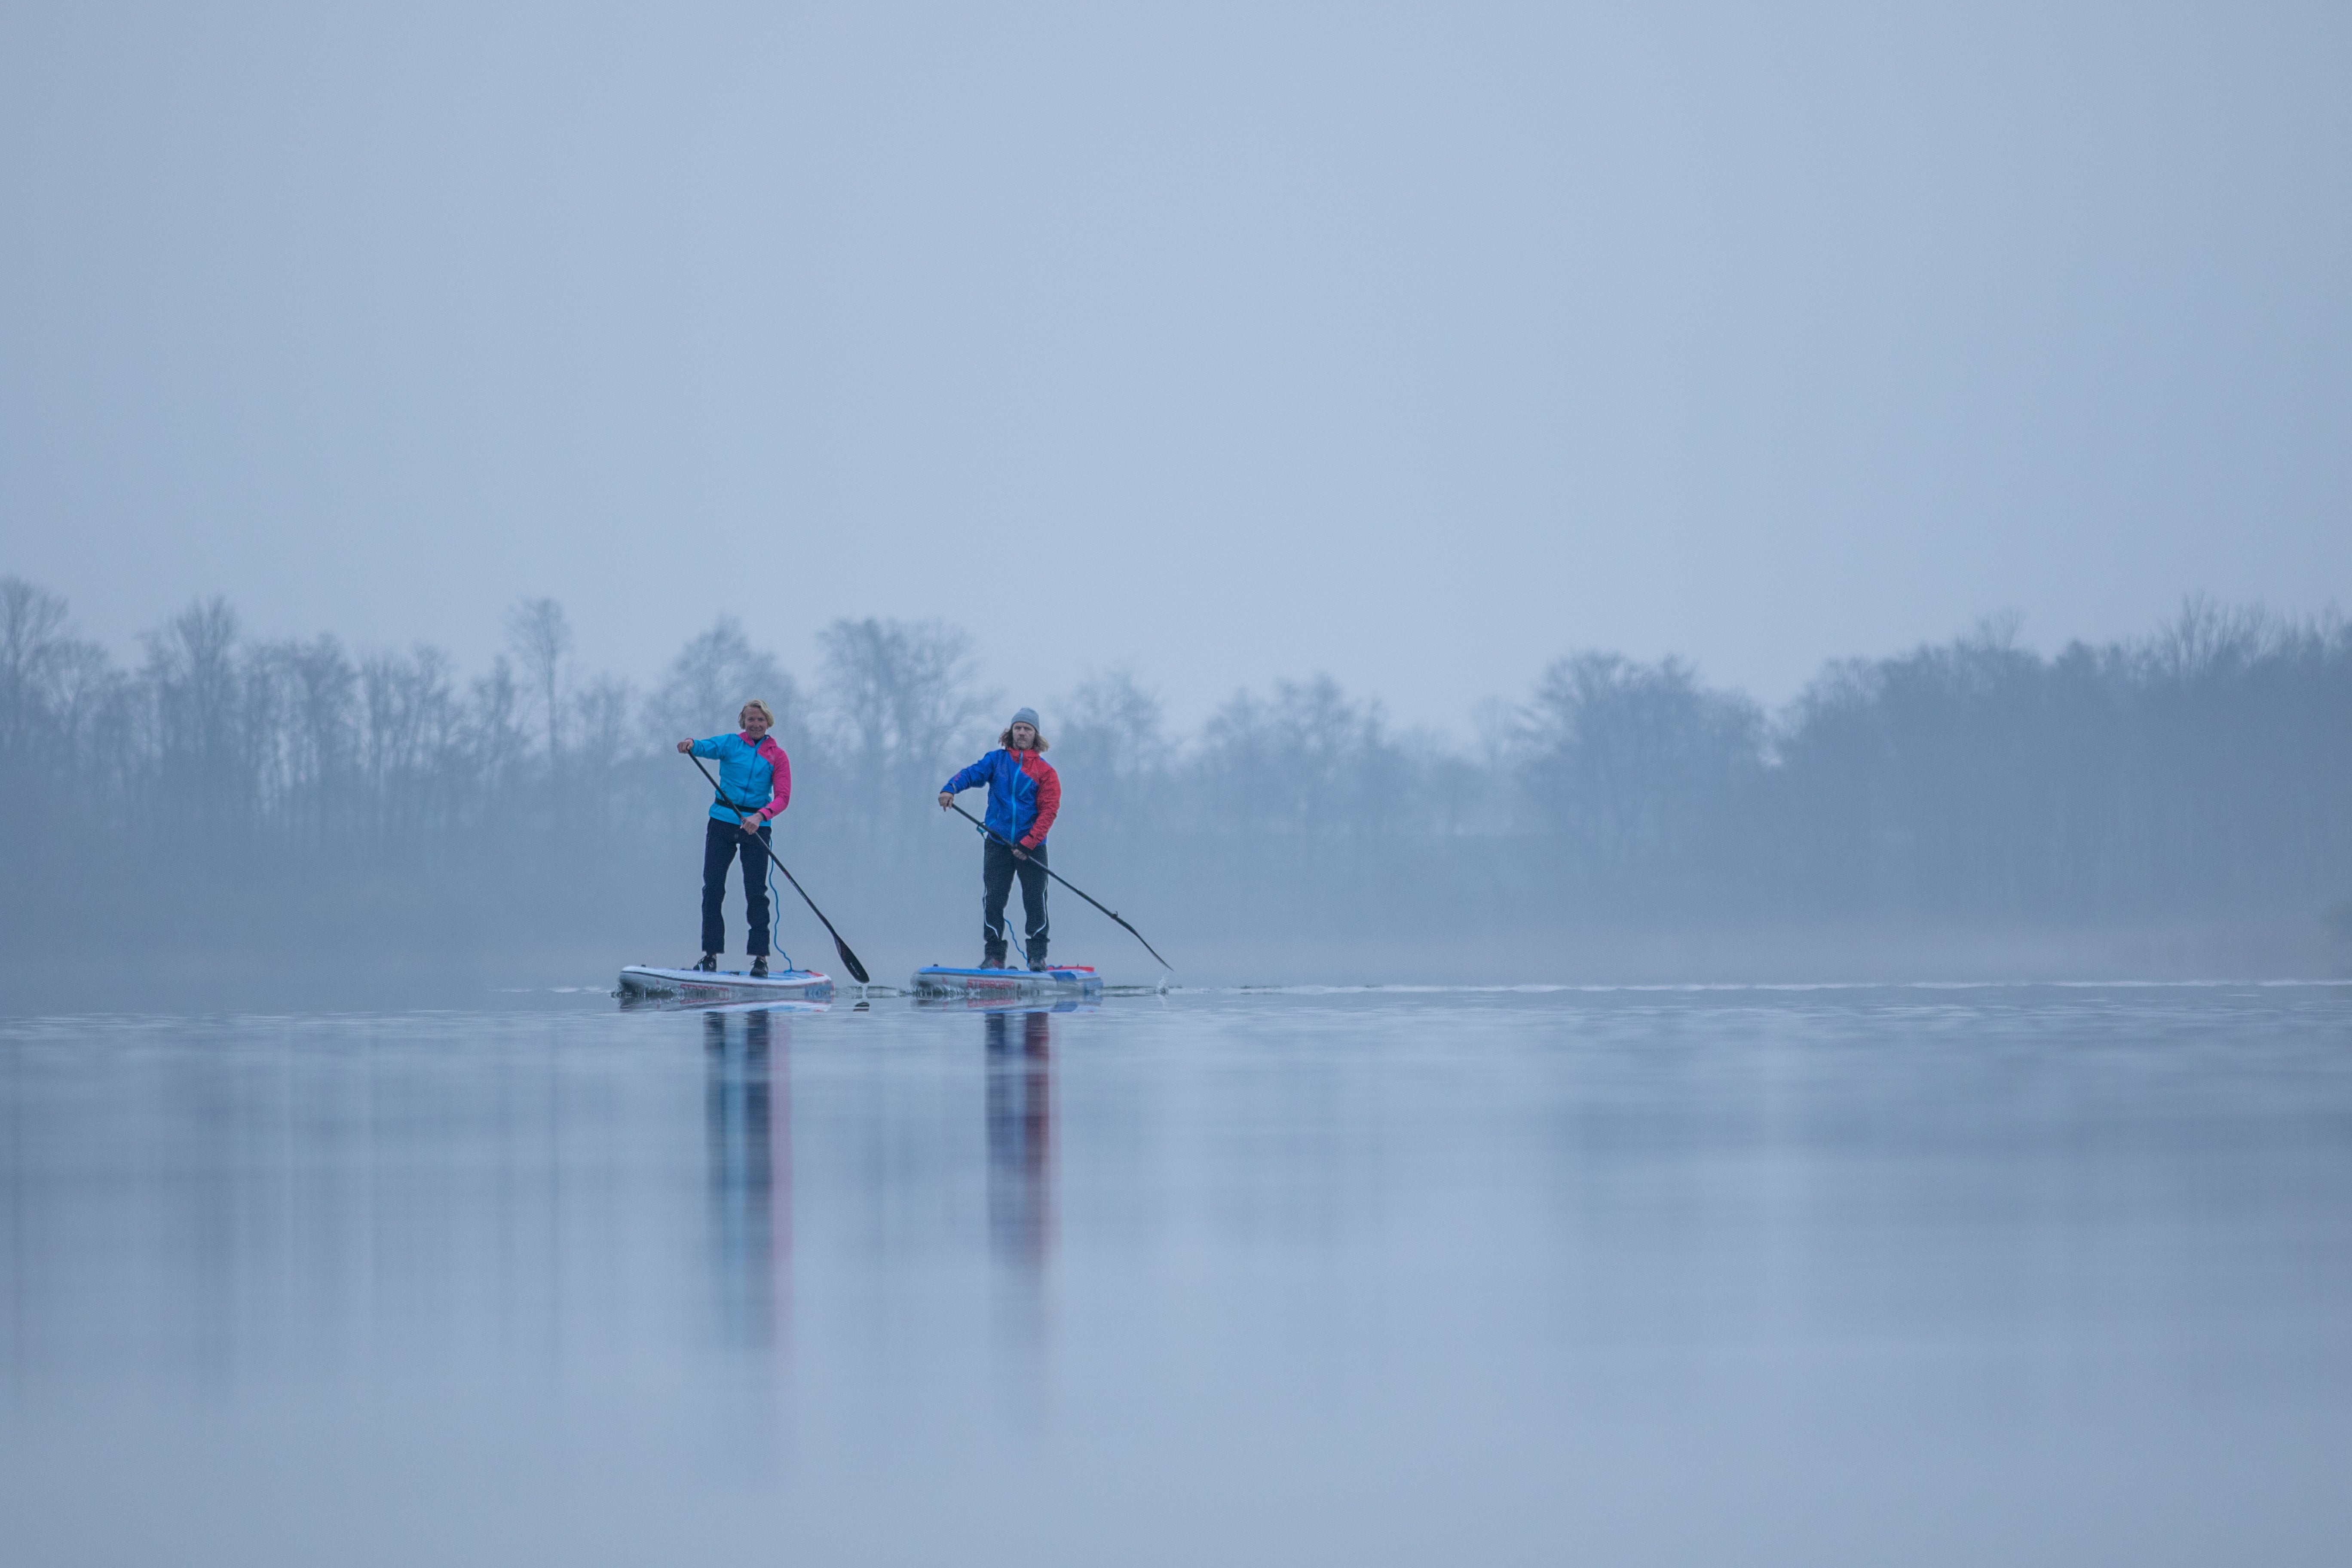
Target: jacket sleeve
column 714, row 747
column 972, row 777
column 781, row 766
column 1049, row 803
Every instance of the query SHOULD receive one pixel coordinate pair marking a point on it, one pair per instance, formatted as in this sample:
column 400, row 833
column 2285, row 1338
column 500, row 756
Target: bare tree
column 1110, row 743
column 33, row 646
column 904, row 694
column 711, row 679
column 195, row 701
column 601, row 710
column 1638, row 767
column 496, row 746
column 541, row 635
column 413, row 752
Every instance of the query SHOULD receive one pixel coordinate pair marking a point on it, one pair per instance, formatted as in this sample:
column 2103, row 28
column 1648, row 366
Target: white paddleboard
column 642, row 982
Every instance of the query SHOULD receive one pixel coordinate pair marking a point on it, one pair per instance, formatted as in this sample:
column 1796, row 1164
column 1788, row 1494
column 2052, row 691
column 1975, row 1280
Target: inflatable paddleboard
column 938, row 980
column 641, row 982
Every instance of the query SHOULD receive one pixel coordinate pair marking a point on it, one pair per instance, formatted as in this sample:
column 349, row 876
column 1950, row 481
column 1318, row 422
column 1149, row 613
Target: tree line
column 2200, row 771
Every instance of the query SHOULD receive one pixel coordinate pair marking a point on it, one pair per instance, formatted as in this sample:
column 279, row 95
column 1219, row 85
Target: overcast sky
column 1418, row 343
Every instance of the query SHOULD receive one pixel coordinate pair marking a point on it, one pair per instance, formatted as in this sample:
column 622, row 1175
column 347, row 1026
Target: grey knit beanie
column 1026, row 716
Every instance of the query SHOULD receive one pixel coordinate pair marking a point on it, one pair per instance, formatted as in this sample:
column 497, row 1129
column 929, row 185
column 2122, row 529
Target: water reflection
column 1020, row 1101
column 1367, row 1270
column 1021, row 1137
column 748, row 1113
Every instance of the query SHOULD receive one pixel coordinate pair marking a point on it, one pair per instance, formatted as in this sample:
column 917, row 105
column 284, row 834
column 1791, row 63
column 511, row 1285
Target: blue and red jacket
column 1024, row 793
column 748, row 775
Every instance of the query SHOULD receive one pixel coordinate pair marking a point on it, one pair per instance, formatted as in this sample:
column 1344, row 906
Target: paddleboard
column 1062, row 980
column 641, row 982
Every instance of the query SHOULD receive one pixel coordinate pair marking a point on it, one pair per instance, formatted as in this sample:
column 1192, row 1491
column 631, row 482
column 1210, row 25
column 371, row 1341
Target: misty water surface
column 2023, row 1274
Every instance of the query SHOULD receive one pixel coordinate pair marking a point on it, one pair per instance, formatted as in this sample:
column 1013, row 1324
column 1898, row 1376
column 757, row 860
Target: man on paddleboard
column 755, row 783
column 1023, row 795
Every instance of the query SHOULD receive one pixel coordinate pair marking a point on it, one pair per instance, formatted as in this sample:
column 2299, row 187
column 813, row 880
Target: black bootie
column 760, row 967
column 710, row 965
column 1037, row 959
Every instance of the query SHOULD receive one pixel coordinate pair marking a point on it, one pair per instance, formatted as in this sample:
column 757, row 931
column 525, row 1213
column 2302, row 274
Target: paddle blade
column 849, row 961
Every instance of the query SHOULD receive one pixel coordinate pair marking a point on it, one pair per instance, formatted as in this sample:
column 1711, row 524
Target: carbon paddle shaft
column 848, row 959
column 1081, row 892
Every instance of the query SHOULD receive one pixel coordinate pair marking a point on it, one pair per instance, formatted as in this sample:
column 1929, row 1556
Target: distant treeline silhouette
column 227, row 789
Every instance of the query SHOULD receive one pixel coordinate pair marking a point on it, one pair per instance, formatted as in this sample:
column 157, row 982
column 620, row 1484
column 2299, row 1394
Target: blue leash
column 775, row 909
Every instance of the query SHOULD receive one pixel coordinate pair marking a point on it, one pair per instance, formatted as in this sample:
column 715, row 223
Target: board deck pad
column 642, row 982
column 1061, row 980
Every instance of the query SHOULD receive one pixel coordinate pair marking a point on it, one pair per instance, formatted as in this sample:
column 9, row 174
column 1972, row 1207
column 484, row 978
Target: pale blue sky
column 1418, row 343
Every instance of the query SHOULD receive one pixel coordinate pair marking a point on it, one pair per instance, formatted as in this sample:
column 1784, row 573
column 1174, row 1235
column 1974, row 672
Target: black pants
column 721, row 843
column 996, row 869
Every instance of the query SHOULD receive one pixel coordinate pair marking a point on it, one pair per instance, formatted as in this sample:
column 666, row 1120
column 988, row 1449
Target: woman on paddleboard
column 1023, row 795
column 755, row 782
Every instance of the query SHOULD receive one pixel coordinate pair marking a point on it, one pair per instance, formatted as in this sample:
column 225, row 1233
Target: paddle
column 848, row 959
column 1097, row 903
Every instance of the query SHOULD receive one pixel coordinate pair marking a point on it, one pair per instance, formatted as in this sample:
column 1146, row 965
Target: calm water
column 2036, row 1275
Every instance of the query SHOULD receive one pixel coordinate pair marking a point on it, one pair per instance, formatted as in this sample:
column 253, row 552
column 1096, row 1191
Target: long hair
column 1006, row 740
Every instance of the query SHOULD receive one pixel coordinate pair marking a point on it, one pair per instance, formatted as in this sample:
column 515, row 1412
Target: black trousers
column 997, row 868
column 721, row 841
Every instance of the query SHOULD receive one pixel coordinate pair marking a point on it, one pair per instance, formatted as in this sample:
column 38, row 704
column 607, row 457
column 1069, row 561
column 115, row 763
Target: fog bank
column 1972, row 808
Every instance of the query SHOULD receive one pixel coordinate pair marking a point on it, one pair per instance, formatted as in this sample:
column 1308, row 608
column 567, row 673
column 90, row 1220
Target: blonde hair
column 763, row 708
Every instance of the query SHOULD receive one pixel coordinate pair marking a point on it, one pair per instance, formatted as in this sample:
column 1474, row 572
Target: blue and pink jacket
column 748, row 775
column 1025, row 794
